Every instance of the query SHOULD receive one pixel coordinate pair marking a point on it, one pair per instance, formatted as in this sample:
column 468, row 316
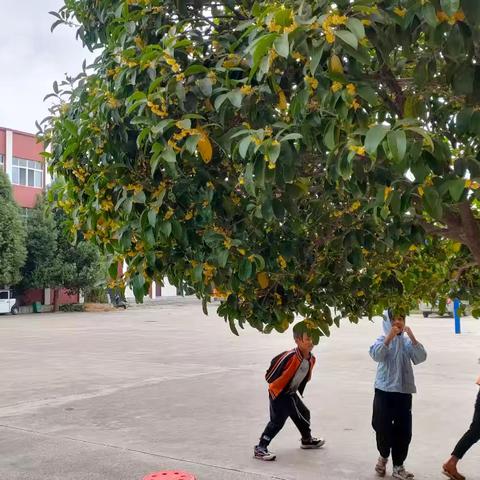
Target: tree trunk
column 56, row 300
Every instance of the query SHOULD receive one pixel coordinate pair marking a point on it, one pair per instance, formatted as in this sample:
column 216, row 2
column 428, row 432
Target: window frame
column 28, row 168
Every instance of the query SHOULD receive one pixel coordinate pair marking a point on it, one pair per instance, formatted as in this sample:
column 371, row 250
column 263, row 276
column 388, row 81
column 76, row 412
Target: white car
column 8, row 304
column 427, row 308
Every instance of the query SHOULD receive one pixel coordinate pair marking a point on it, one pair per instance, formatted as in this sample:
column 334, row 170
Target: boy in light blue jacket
column 394, row 385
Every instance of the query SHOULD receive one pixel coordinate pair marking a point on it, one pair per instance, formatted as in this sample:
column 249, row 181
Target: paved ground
column 114, row 396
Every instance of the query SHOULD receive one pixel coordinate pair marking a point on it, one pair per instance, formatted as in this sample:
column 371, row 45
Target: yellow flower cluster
column 169, row 213
column 106, row 204
column 172, row 62
column 208, row 272
column 351, row 89
column 472, row 184
column 311, row 82
column 355, row 105
column 330, row 22
column 282, row 101
column 80, row 173
column 400, row 11
column 359, row 150
column 336, row 86
column 112, row 101
column 282, row 262
column 232, row 60
column 160, row 110
column 246, row 90
column 355, row 206
column 136, row 188
column 456, row 17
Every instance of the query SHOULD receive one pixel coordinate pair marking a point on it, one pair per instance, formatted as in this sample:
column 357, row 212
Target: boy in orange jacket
column 289, row 372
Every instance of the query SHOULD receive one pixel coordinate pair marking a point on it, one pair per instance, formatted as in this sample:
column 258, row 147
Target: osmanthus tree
column 278, row 153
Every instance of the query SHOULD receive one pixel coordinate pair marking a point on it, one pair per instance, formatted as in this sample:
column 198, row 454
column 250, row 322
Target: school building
column 21, row 160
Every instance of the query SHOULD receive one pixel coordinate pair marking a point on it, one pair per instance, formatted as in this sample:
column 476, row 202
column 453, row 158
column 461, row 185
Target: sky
column 32, row 58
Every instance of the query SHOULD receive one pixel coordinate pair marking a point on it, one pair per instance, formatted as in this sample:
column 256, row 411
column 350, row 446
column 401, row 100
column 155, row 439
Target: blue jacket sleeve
column 379, row 351
column 417, row 353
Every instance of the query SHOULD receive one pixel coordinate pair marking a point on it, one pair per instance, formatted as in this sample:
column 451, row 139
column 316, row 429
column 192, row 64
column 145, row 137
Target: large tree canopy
column 12, row 235
column 280, row 153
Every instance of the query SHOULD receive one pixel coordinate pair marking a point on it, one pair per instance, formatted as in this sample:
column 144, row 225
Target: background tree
column 271, row 150
column 12, row 235
column 53, row 261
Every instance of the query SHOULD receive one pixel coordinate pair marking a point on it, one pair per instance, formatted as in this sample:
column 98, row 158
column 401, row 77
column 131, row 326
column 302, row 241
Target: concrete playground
column 117, row 395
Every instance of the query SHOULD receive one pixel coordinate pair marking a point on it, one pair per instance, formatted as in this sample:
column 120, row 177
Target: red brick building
column 20, row 158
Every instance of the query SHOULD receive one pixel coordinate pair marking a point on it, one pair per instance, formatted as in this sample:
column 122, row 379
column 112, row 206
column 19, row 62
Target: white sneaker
column 400, row 472
column 381, row 466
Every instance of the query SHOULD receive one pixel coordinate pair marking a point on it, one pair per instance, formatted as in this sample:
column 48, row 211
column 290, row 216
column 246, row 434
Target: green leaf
column 249, row 184
column 205, row 85
column 165, row 228
column 450, row 6
column 138, row 283
column 463, row 119
column 316, row 56
column 194, row 69
column 197, row 274
column 222, row 258
column 397, row 142
column 236, row 98
column 329, row 137
column 472, row 10
column 356, row 27
column 374, row 137
column 245, row 270
column 348, row 37
column 169, row 155
column 185, row 124
column 433, row 203
column 260, row 48
column 291, row 136
column 152, row 217
column 430, row 15
column 243, row 146
column 426, row 136
column 281, row 45
column 191, row 143
column 463, row 80
column 219, row 100
column 272, row 152
column 456, row 188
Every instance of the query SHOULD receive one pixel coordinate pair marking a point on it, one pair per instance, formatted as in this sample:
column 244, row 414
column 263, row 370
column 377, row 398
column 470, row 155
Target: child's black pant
column 392, row 422
column 280, row 409
column 472, row 435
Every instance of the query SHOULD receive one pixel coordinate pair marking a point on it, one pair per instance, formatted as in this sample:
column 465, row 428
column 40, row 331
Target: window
column 3, row 295
column 27, row 172
column 2, row 161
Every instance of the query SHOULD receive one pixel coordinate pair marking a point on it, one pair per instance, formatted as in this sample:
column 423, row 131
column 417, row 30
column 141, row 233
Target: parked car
column 8, row 304
column 427, row 308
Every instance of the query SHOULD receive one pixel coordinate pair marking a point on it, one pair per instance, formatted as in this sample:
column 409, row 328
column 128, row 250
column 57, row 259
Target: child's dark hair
column 398, row 313
column 298, row 330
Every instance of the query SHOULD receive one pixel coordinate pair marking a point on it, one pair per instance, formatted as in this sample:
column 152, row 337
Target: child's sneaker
column 400, row 472
column 381, row 466
column 262, row 453
column 312, row 442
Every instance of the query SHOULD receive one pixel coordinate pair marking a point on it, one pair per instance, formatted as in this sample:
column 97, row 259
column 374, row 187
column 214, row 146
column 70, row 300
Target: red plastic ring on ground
column 170, row 475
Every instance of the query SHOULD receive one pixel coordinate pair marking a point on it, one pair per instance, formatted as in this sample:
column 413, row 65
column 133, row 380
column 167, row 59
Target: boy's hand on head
column 410, row 334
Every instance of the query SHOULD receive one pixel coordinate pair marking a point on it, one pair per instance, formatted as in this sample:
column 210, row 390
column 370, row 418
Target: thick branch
column 471, row 230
